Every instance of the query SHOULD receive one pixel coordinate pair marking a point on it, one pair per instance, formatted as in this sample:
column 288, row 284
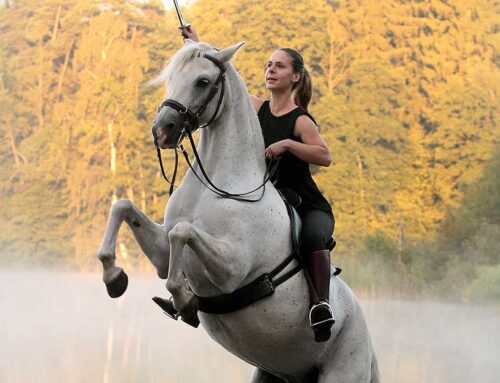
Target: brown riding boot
column 321, row 315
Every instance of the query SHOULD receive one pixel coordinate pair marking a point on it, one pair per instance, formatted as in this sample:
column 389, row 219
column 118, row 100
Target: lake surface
column 62, row 327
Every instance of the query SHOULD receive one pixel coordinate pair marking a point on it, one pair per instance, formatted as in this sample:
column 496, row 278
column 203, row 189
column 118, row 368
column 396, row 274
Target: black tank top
column 292, row 172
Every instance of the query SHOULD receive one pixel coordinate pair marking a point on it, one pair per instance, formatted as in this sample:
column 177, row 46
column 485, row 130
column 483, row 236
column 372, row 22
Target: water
column 62, row 327
column 435, row 342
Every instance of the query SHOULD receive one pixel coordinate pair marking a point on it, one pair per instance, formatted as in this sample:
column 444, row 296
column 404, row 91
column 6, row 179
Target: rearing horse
column 210, row 245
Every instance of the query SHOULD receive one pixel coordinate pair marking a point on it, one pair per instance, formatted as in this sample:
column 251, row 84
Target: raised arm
column 189, row 33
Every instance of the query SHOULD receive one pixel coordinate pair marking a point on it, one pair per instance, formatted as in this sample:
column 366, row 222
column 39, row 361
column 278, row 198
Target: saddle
column 292, row 201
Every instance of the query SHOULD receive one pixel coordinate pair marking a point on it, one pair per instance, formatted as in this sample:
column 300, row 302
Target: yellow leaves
column 406, row 96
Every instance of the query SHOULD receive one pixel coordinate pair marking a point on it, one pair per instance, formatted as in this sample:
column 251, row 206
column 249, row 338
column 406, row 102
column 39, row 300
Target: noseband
column 192, row 123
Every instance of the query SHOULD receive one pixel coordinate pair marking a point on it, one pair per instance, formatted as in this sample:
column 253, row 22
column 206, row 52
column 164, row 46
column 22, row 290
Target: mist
column 62, row 327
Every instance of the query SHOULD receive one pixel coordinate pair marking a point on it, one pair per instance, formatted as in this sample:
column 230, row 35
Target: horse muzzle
column 167, row 130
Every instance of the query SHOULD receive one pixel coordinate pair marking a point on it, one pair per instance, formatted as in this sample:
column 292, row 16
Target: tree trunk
column 15, row 152
column 130, row 194
column 143, row 192
column 360, row 176
column 41, row 101
column 336, row 40
column 56, row 22
column 63, row 71
column 400, row 242
column 112, row 159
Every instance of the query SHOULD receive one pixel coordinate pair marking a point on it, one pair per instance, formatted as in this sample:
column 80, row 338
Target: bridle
column 192, row 119
column 191, row 124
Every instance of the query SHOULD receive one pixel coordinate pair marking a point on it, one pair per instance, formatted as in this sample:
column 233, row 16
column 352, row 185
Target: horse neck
column 232, row 148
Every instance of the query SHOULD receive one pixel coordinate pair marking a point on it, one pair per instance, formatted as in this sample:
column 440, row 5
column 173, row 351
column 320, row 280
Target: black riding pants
column 317, row 229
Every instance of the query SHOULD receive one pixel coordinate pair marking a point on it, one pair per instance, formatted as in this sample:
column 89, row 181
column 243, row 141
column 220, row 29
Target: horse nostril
column 170, row 126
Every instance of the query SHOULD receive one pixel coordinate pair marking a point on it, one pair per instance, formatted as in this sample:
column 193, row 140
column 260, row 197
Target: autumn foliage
column 406, row 93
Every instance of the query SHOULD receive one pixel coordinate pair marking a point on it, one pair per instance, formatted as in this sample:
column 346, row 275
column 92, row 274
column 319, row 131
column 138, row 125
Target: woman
column 291, row 134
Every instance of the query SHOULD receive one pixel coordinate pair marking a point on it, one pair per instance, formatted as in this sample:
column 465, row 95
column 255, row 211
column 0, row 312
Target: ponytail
column 302, row 89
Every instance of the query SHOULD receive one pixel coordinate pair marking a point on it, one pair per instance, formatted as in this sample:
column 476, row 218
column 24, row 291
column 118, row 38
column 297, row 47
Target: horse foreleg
column 224, row 267
column 150, row 236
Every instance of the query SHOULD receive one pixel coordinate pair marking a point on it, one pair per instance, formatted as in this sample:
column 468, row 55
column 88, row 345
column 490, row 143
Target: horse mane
column 179, row 60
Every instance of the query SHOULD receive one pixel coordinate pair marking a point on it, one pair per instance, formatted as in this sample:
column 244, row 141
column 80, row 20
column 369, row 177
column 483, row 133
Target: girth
column 262, row 286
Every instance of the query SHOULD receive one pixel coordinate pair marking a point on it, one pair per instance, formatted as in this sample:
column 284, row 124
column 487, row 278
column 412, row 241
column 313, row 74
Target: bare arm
column 313, row 149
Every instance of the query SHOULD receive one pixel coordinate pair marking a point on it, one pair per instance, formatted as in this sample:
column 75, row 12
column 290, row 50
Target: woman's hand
column 189, row 33
column 275, row 150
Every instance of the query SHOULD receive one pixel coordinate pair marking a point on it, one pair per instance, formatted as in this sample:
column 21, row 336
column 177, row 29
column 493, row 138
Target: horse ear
column 227, row 54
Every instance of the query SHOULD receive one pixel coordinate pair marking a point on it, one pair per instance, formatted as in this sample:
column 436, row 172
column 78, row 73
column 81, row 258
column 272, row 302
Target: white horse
column 210, row 245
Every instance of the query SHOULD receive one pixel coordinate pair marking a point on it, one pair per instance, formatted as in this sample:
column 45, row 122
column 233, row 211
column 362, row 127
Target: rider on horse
column 291, row 134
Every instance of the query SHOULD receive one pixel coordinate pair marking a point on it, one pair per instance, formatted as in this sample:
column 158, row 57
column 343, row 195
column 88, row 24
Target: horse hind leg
column 148, row 234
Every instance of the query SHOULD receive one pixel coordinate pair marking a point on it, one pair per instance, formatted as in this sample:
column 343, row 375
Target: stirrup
column 325, row 323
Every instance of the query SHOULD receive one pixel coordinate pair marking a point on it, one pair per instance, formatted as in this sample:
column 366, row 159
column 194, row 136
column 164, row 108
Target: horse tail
column 375, row 378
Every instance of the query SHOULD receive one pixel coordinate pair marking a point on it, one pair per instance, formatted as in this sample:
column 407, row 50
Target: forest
column 406, row 94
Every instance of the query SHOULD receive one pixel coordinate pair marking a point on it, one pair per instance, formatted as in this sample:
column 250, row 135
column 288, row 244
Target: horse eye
column 202, row 82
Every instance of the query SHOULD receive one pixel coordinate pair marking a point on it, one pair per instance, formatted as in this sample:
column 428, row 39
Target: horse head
column 195, row 83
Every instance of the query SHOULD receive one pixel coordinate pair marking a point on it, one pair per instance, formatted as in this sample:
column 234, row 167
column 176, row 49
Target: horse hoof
column 117, row 287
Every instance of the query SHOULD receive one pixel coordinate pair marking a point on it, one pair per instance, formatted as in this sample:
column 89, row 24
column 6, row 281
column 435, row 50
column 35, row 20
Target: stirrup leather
column 321, row 323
